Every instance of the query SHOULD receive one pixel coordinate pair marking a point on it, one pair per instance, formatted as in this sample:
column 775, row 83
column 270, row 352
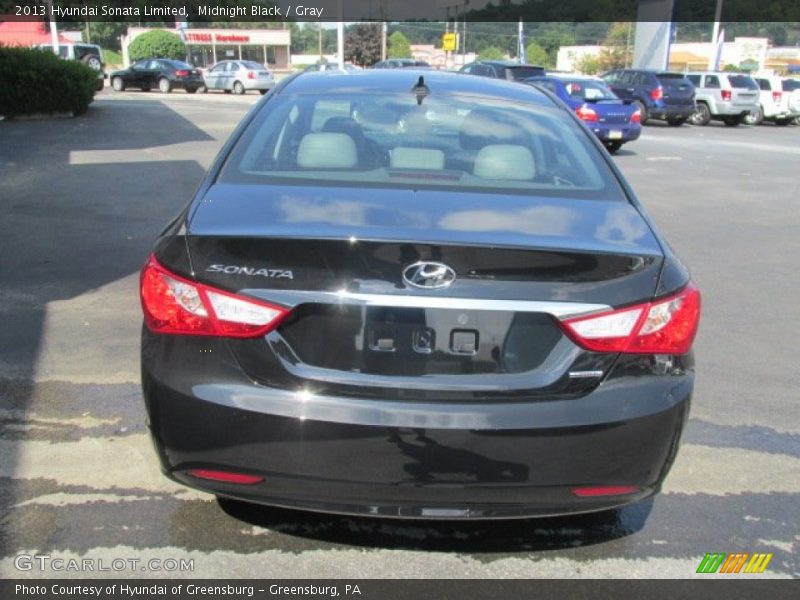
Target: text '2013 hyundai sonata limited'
column 416, row 294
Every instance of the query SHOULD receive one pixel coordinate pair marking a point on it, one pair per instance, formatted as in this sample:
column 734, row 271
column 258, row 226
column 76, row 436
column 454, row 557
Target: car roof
column 402, row 80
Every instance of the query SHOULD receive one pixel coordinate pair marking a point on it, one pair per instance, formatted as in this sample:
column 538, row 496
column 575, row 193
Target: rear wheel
column 613, row 147
column 732, row 121
column 783, row 122
column 118, row 84
column 676, row 122
column 263, row 92
column 100, row 85
column 191, row 90
column 755, row 116
column 238, row 88
column 227, row 91
column 165, row 85
column 642, row 111
column 202, row 89
column 701, row 115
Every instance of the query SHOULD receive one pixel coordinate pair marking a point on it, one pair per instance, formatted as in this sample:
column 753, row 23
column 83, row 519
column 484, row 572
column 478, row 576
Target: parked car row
column 229, row 76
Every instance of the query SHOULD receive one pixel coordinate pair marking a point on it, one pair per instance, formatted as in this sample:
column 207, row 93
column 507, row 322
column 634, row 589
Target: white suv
column 776, row 105
column 89, row 54
column 726, row 97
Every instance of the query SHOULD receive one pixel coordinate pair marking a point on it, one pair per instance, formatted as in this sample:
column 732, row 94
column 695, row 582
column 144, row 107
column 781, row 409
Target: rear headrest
column 482, row 127
column 417, row 158
column 505, row 161
column 327, row 151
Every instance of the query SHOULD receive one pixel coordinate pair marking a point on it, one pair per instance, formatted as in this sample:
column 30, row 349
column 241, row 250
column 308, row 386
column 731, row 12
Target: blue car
column 612, row 120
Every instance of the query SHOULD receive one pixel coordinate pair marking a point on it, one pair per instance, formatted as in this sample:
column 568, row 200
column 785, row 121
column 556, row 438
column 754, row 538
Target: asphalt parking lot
column 81, row 202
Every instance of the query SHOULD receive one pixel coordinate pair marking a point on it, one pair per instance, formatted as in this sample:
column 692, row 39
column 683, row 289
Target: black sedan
column 416, row 294
column 163, row 73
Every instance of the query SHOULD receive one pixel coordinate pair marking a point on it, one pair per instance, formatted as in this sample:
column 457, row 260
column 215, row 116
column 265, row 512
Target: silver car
column 726, row 97
column 238, row 76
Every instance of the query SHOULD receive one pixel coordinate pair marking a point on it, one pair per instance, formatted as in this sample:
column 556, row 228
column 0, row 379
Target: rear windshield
column 742, row 82
column 524, row 72
column 252, row 65
column 673, row 79
column 588, row 90
column 789, row 85
column 179, row 64
column 389, row 140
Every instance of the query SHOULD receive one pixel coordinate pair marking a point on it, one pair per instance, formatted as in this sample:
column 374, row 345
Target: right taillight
column 636, row 117
column 664, row 326
column 657, row 93
column 175, row 305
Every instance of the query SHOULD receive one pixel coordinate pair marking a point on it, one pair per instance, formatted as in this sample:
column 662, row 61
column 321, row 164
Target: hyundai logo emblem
column 429, row 275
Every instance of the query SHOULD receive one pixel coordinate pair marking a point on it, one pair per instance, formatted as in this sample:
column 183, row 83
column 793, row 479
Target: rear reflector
column 225, row 476
column 175, row 305
column 604, row 490
column 665, row 326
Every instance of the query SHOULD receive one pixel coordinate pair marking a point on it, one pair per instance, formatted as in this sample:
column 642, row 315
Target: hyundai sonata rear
column 415, row 294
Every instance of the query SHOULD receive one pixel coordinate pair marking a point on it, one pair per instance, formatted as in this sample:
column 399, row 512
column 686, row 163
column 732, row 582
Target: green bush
column 37, row 81
column 157, row 44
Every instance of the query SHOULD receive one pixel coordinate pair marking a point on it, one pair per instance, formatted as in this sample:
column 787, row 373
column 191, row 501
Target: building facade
column 204, row 47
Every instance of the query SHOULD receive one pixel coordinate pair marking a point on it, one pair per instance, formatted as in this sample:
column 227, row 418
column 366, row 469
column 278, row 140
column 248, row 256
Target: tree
column 157, row 44
column 362, row 44
column 536, row 55
column 616, row 52
column 491, row 53
column 398, row 46
column 105, row 34
column 587, row 64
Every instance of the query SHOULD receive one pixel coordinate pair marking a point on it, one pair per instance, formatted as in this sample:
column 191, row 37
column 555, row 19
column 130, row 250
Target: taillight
column 181, row 73
column 251, row 75
column 586, row 113
column 636, row 117
column 657, row 93
column 666, row 326
column 726, row 95
column 776, row 97
column 175, row 305
column 225, row 476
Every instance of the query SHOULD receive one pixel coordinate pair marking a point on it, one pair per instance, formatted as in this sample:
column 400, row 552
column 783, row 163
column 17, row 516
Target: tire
column 227, row 91
column 642, row 109
column 676, row 122
column 99, row 85
column 118, row 84
column 262, row 92
column 701, row 115
column 238, row 88
column 613, row 147
column 755, row 117
column 191, row 90
column 203, row 89
column 165, row 85
column 92, row 61
column 732, row 121
column 783, row 122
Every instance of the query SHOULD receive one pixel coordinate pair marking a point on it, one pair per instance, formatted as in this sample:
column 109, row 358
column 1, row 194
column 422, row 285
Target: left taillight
column 664, row 326
column 174, row 305
column 586, row 113
column 636, row 117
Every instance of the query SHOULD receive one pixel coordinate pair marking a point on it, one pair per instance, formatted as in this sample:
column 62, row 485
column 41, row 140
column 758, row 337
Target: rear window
column 588, row 90
column 764, row 84
column 523, row 72
column 179, row 64
column 673, row 79
column 789, row 85
column 742, row 82
column 447, row 141
column 252, row 65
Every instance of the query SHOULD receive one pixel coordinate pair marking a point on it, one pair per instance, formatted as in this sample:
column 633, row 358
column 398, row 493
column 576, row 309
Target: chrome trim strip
column 293, row 298
column 585, row 374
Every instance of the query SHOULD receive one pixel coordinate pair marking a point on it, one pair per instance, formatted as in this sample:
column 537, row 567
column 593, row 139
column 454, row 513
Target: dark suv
column 659, row 94
column 503, row 69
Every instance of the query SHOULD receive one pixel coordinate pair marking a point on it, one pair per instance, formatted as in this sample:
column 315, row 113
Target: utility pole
column 340, row 36
column 53, row 29
column 712, row 59
column 383, row 40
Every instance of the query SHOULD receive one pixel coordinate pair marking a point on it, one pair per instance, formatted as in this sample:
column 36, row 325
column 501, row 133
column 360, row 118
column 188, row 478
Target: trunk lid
column 678, row 90
column 344, row 259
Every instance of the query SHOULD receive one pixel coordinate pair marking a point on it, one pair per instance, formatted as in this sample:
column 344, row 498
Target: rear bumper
column 623, row 133
column 258, row 84
column 409, row 459
column 671, row 112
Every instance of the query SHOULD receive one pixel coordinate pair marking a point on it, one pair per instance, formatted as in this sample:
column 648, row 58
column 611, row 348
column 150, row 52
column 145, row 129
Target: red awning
column 26, row 33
